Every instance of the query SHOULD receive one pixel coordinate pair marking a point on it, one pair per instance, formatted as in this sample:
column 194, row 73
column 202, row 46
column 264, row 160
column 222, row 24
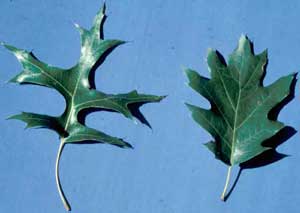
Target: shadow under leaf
column 134, row 109
column 270, row 156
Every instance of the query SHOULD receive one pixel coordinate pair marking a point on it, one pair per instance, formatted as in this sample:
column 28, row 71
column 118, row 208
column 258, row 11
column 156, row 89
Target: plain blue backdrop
column 169, row 171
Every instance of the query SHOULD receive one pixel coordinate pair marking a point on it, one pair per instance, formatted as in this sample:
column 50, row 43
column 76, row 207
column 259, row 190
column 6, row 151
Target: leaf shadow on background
column 103, row 56
column 133, row 108
column 96, row 65
column 270, row 156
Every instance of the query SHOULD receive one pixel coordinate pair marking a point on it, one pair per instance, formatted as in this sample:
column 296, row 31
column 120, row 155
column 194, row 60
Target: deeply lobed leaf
column 77, row 87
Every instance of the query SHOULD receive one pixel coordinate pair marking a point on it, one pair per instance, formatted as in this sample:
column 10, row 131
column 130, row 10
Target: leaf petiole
column 223, row 196
column 61, row 193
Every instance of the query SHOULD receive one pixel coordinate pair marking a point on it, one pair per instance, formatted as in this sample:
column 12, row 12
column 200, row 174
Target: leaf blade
column 239, row 101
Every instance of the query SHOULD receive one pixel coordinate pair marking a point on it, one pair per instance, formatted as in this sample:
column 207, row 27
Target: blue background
column 169, row 171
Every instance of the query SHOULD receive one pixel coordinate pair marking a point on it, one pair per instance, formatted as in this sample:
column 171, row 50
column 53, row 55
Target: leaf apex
column 7, row 46
column 100, row 17
column 187, row 70
column 211, row 145
column 128, row 146
column 244, row 37
column 117, row 42
column 125, row 145
column 7, row 82
column 190, row 73
column 266, row 51
column 210, row 51
column 212, row 55
column 120, row 42
column 244, row 44
column 160, row 98
column 294, row 74
column 11, row 117
column 76, row 25
column 13, row 80
column 103, row 8
column 81, row 29
column 163, row 97
column 183, row 67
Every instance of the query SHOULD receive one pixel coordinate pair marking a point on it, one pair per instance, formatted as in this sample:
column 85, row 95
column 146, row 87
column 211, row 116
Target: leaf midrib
column 236, row 113
column 72, row 101
column 73, row 96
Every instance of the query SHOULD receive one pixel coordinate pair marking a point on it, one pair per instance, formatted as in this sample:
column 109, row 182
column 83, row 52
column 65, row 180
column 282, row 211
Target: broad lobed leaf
column 240, row 104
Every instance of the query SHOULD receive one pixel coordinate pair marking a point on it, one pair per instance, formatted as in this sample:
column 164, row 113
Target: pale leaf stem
column 223, row 196
column 61, row 193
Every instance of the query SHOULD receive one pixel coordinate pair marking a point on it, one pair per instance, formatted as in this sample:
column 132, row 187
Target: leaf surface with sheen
column 76, row 85
column 240, row 104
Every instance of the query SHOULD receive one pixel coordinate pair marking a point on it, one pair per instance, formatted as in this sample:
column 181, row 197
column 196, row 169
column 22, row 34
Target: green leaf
column 76, row 85
column 238, row 119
